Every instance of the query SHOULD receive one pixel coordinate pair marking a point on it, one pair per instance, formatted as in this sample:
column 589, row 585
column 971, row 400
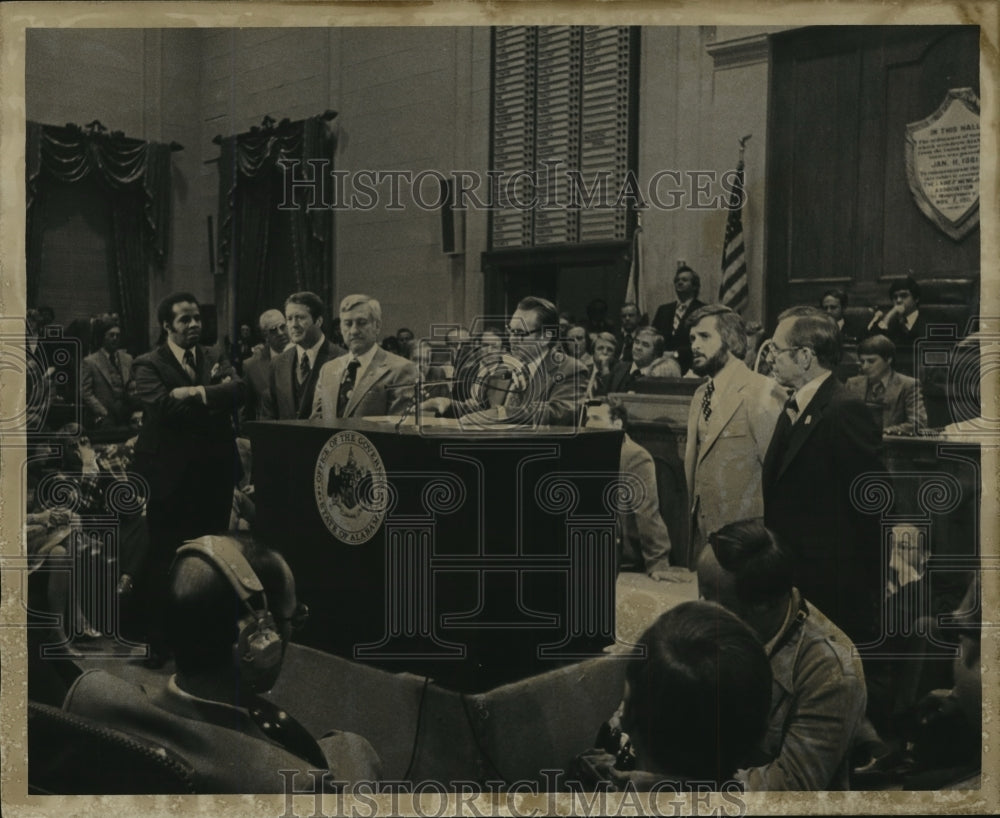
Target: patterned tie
column 877, row 392
column 304, row 368
column 792, row 409
column 679, row 316
column 706, row 400
column 189, row 364
column 347, row 386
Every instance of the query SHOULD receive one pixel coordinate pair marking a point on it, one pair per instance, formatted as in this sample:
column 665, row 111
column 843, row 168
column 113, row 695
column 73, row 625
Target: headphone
column 258, row 650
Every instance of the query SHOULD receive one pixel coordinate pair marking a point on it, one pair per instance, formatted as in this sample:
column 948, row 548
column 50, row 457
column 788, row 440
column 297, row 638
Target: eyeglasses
column 772, row 350
column 521, row 332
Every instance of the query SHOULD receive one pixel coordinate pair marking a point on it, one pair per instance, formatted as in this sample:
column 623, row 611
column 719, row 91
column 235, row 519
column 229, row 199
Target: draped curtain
column 268, row 251
column 136, row 177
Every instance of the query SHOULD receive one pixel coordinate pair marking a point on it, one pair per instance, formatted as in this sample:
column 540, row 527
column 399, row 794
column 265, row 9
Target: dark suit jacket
column 257, row 374
column 680, row 341
column 279, row 400
column 373, row 394
column 620, row 379
column 807, row 475
column 902, row 406
column 186, row 448
column 100, row 395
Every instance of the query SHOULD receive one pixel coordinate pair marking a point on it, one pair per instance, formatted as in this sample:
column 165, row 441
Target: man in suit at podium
column 186, row 449
column 546, row 387
column 730, row 424
column 295, row 371
column 671, row 320
column 368, row 381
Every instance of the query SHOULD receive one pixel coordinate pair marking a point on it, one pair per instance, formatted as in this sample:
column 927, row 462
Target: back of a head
column 816, row 330
column 698, row 704
column 204, row 610
column 761, row 568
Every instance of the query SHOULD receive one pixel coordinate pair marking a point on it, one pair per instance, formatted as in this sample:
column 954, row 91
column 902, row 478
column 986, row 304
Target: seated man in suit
column 106, row 385
column 648, row 361
column 257, row 368
column 232, row 608
column 902, row 324
column 295, row 371
column 896, row 398
column 818, row 694
column 694, row 709
column 368, row 381
column 671, row 319
column 547, row 385
column 629, row 328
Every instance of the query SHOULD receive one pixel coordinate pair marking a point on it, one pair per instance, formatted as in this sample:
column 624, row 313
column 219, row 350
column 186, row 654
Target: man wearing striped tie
column 730, row 424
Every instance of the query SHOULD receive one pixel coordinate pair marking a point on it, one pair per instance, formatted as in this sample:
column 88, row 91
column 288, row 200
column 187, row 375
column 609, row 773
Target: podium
column 475, row 559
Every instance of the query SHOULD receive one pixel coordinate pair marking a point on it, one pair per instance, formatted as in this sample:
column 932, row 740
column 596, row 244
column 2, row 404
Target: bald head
column 272, row 327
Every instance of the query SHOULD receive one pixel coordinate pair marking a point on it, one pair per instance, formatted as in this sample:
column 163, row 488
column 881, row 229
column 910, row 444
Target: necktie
column 304, row 368
column 347, row 386
column 189, row 364
column 877, row 392
column 679, row 316
column 792, row 409
column 114, row 360
column 706, row 400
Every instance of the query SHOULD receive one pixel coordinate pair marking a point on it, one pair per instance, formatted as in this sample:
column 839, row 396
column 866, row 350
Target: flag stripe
column 734, row 290
column 633, row 292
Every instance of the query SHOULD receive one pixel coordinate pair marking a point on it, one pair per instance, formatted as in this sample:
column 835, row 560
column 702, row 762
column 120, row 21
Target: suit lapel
column 732, row 399
column 106, row 369
column 167, row 356
column 809, row 418
column 376, row 369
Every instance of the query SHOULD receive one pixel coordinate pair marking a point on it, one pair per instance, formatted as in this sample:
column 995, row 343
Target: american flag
column 733, row 291
column 633, row 292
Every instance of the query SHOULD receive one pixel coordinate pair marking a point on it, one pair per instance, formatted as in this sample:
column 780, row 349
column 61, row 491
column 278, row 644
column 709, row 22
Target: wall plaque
column 942, row 163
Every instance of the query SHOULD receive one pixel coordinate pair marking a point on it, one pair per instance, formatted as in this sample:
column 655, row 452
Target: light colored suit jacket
column 903, row 409
column 724, row 470
column 374, row 394
column 97, row 386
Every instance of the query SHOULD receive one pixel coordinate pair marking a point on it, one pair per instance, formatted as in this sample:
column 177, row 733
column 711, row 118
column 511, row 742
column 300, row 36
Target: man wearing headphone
column 231, row 610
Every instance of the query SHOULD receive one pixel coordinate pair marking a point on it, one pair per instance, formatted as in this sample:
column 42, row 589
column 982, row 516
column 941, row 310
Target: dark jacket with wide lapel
column 186, row 443
column 809, row 470
column 98, row 389
column 621, row 378
column 663, row 321
column 280, row 403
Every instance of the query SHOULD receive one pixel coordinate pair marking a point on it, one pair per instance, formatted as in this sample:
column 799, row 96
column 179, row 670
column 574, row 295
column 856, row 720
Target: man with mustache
column 186, row 449
column 730, row 425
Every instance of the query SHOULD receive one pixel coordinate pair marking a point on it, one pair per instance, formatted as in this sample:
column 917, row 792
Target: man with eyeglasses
column 229, row 599
column 824, row 441
column 545, row 386
column 257, row 368
column 369, row 380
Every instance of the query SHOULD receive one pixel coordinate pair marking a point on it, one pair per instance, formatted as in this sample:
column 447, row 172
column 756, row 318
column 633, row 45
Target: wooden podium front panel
column 480, row 559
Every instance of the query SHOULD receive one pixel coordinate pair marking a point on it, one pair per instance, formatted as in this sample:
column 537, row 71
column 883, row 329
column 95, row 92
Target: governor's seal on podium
column 350, row 487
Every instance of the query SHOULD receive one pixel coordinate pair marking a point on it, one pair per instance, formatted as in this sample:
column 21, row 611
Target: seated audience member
column 645, row 538
column 901, row 324
column 894, row 397
column 404, row 337
column 818, row 693
column 106, row 386
column 546, row 386
column 577, row 343
column 630, row 323
column 694, row 708
column 605, row 359
column 834, row 303
column 231, row 611
column 363, row 382
column 648, row 361
column 391, row 344
column 257, row 370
